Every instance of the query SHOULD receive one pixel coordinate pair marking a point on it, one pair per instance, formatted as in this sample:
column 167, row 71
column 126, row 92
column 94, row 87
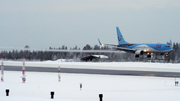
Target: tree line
column 174, row 56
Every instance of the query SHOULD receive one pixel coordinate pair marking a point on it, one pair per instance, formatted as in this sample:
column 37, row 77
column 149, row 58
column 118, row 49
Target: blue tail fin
column 121, row 40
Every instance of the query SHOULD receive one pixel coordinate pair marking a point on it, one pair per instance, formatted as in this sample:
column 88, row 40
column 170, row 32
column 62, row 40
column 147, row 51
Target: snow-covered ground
column 138, row 66
column 114, row 88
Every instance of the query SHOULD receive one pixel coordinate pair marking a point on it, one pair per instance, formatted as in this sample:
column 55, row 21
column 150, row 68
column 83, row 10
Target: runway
column 95, row 71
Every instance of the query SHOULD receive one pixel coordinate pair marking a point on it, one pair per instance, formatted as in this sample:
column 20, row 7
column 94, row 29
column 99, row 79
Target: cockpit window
column 167, row 46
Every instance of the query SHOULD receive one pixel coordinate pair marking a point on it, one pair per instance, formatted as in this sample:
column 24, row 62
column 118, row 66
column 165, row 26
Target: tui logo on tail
column 119, row 39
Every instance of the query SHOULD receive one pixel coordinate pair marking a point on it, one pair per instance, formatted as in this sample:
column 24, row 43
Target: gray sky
column 44, row 23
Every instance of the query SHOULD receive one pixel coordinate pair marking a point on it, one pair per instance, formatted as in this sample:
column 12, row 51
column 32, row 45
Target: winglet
column 170, row 43
column 99, row 42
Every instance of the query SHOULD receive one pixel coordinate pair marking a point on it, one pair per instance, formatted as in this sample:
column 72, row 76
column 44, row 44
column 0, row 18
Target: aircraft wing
column 116, row 48
column 125, row 49
column 104, row 44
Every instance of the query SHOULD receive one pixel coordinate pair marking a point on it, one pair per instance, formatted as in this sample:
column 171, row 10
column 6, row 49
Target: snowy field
column 114, row 88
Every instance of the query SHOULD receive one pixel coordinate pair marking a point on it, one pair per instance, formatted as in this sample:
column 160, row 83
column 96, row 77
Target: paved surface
column 94, row 71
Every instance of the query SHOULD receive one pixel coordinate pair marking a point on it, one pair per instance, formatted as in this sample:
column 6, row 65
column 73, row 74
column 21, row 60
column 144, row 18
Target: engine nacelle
column 139, row 52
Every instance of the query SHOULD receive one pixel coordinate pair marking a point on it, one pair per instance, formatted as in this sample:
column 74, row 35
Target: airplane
column 137, row 49
column 140, row 48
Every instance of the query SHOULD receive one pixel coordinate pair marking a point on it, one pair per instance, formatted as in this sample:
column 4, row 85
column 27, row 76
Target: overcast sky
column 44, row 23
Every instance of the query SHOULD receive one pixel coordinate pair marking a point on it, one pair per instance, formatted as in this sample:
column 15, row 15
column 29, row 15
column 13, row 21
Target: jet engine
column 138, row 52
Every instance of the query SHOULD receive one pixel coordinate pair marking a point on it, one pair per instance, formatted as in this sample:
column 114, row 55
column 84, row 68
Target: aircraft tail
column 121, row 40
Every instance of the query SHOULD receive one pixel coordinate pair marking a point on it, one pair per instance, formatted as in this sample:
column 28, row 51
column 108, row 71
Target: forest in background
column 174, row 56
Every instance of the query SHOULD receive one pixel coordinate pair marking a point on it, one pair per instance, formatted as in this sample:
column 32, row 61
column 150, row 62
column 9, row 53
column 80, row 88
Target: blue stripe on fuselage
column 158, row 46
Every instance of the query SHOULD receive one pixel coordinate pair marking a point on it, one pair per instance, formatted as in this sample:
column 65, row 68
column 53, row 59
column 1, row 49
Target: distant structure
column 94, row 58
column 26, row 46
